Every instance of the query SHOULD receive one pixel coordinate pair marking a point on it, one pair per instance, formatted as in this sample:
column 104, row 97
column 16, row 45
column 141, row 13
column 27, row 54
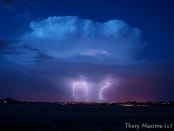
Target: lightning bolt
column 82, row 85
column 106, row 85
column 74, row 88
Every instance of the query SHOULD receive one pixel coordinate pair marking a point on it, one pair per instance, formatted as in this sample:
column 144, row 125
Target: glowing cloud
column 94, row 52
column 83, row 40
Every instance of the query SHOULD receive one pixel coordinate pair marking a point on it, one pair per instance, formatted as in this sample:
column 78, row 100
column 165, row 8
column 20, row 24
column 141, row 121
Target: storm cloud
column 71, row 38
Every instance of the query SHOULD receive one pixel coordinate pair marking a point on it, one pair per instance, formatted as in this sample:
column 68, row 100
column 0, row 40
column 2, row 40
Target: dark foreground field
column 54, row 117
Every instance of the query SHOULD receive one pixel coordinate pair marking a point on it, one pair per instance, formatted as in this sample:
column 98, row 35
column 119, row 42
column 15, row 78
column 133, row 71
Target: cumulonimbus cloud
column 76, row 39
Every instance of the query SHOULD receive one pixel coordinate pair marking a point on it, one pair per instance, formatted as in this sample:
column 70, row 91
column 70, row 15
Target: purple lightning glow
column 106, row 85
column 81, row 85
column 85, row 89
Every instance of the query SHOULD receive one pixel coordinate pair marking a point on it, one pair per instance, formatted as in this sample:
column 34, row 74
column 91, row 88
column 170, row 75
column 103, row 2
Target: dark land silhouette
column 41, row 116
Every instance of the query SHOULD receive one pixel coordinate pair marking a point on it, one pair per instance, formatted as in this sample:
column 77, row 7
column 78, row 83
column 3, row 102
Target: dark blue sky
column 125, row 41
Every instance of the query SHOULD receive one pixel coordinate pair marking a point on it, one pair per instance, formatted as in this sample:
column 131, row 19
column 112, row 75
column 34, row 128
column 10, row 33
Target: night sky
column 90, row 50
